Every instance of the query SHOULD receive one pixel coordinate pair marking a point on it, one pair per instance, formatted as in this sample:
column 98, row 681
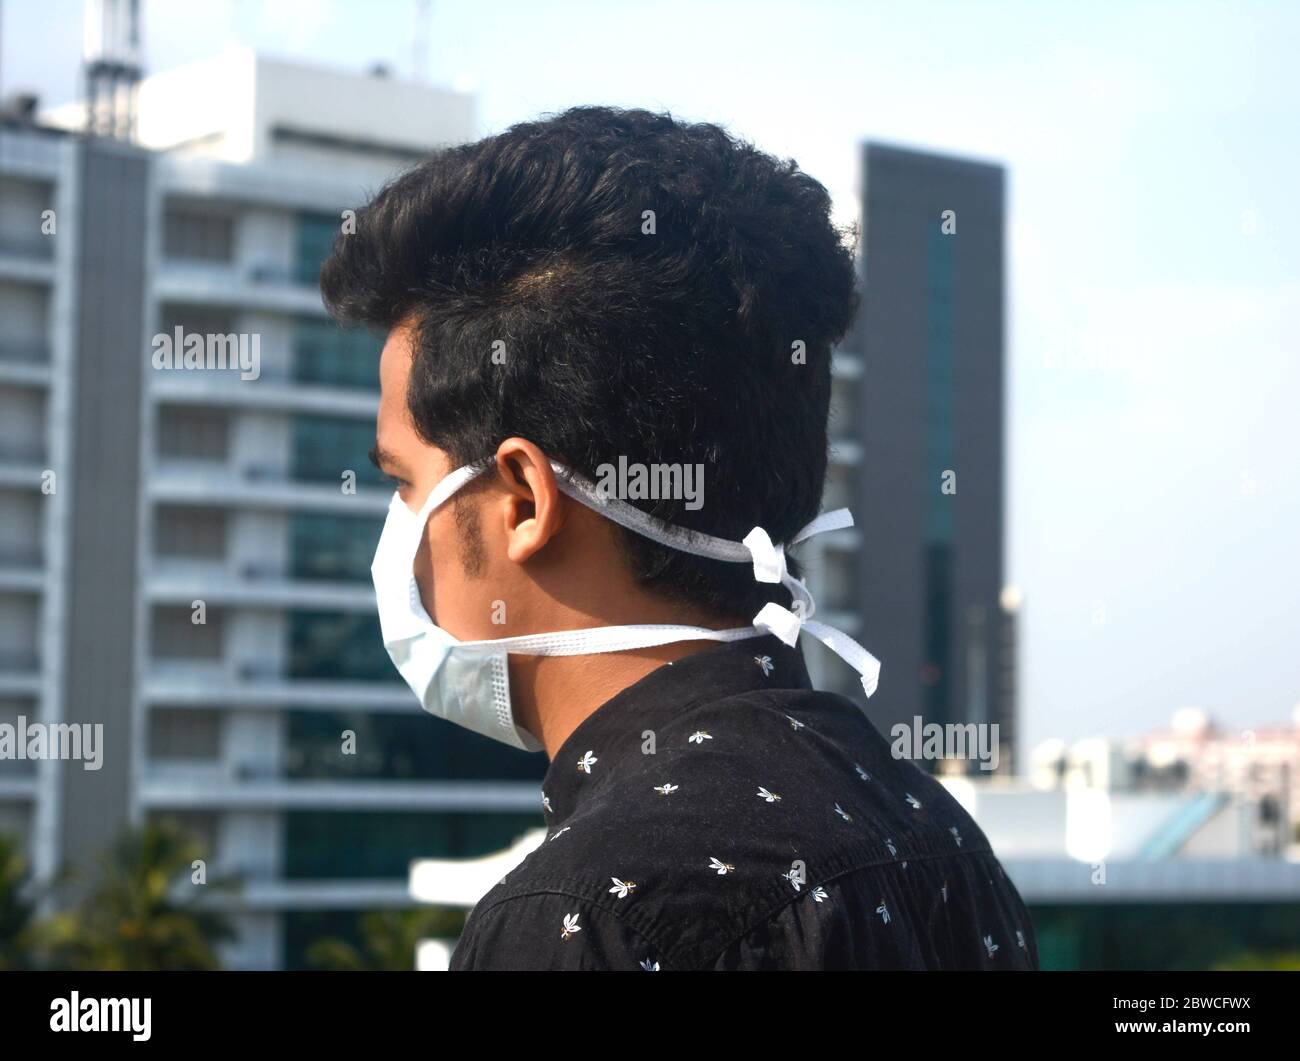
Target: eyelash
column 398, row 483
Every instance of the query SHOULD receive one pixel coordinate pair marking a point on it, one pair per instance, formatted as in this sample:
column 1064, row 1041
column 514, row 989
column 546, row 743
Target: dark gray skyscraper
column 930, row 414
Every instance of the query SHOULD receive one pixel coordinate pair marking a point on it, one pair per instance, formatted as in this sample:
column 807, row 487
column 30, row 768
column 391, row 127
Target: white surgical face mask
column 467, row 682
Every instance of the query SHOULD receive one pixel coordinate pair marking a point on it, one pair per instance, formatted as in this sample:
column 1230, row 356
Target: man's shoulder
column 732, row 810
column 800, row 763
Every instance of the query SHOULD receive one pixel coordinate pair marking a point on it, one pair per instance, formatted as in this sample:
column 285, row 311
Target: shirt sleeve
column 550, row 931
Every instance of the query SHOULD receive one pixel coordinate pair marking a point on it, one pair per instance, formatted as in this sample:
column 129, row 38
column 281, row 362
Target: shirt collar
column 612, row 733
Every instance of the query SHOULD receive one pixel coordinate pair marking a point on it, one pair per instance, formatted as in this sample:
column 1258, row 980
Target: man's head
column 604, row 284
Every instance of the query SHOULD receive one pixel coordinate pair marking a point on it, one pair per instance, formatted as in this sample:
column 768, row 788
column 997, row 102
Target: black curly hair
column 651, row 280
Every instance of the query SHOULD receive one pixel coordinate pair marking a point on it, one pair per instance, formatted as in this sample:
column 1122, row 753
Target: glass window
column 316, row 234
column 408, row 747
column 182, row 733
column 194, row 234
column 325, row 353
column 190, row 533
column 341, row 646
column 201, row 320
column 189, row 433
column 177, row 637
column 11, row 709
column 349, row 845
column 333, row 547
column 324, row 447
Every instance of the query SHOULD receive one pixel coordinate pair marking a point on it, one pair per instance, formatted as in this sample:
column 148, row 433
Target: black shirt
column 721, row 814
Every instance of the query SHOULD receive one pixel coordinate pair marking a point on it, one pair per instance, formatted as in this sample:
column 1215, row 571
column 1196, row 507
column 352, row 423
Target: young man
column 612, row 290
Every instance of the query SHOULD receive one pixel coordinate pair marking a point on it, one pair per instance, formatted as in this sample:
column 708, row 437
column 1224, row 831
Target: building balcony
column 262, row 686
column 271, row 894
column 257, row 486
column 257, row 789
column 235, row 285
column 256, row 587
column 275, row 390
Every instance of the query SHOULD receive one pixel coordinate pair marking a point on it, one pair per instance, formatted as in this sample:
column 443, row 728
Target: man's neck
column 553, row 695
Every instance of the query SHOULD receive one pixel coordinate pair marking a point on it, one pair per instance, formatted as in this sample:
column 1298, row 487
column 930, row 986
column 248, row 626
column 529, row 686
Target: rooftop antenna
column 111, row 67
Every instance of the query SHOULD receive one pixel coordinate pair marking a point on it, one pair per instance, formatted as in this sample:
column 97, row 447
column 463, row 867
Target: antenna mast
column 111, row 67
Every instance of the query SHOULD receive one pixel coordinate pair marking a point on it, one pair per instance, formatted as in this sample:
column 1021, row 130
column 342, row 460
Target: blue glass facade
column 324, row 447
column 316, row 234
column 408, row 746
column 326, row 354
column 338, row 548
column 342, row 646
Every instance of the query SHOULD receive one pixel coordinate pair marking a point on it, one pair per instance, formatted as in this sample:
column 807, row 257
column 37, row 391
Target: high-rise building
column 184, row 553
column 918, row 447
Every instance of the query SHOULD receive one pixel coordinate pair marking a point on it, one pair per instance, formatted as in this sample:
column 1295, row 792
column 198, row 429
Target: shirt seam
column 647, row 926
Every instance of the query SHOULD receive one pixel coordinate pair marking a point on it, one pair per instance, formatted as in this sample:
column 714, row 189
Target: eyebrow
column 386, row 462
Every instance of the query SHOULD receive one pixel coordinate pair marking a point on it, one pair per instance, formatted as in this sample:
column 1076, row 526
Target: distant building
column 1252, row 774
column 172, row 487
column 918, row 446
column 1162, row 852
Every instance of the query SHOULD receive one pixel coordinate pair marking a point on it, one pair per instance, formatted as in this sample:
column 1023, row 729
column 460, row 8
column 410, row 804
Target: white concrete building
column 175, row 487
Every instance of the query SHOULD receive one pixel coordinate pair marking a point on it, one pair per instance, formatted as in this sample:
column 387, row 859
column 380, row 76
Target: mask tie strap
column 786, row 623
column 757, row 548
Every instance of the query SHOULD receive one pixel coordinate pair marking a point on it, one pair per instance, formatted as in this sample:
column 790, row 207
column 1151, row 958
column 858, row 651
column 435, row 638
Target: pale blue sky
column 1154, row 158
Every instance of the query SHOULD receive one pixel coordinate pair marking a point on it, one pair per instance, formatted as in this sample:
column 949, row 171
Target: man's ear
column 534, row 508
